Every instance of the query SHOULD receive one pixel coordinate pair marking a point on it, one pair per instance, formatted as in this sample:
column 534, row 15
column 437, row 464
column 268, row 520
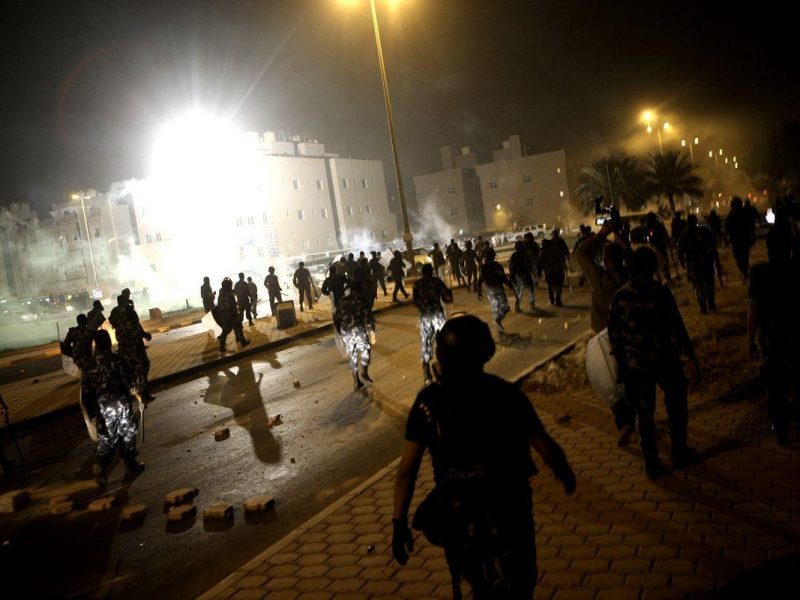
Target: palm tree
column 672, row 174
column 617, row 178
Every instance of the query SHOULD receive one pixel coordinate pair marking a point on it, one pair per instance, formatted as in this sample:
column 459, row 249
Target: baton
column 138, row 397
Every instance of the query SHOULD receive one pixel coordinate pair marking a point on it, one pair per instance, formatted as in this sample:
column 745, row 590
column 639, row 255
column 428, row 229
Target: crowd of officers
column 111, row 381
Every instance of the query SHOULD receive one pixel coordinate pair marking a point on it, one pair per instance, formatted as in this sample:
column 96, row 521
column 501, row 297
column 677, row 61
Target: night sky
column 87, row 84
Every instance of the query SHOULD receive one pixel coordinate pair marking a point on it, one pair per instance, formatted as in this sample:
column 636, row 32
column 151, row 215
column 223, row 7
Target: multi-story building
column 18, row 227
column 519, row 189
column 453, row 194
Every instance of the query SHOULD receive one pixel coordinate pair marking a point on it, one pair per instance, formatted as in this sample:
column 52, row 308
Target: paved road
column 331, row 439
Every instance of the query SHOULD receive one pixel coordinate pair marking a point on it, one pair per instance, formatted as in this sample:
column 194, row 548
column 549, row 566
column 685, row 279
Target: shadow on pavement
column 774, row 579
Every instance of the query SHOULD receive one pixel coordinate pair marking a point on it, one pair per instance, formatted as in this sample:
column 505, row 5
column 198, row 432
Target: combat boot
column 133, row 468
column 100, row 472
column 426, row 372
column 244, row 343
column 357, row 383
column 366, row 376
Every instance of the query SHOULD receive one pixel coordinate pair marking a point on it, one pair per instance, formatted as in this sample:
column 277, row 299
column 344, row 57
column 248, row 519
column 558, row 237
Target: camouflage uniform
column 354, row 321
column 493, row 277
column 229, row 319
column 697, row 252
column 111, row 380
column 130, row 342
column 646, row 331
column 429, row 292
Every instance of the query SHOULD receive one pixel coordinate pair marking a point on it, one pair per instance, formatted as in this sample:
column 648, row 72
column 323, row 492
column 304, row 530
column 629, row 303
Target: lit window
column 558, row 169
column 301, row 214
column 296, row 183
column 497, row 207
column 526, row 179
column 561, row 193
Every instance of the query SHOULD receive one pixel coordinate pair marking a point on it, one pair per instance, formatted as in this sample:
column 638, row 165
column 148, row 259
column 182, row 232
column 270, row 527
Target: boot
column 685, row 456
column 365, row 374
column 426, row 372
column 357, row 384
column 517, row 307
column 100, row 472
column 244, row 343
column 655, row 470
column 133, row 468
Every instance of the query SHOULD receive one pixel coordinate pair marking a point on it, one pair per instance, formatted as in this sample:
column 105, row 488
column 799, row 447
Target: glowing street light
column 82, row 196
column 407, row 236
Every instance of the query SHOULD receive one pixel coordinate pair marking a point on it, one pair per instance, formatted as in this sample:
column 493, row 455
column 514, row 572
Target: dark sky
column 86, row 84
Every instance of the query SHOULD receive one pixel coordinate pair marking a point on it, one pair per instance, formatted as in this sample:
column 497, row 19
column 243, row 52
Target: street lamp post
column 83, row 197
column 407, row 236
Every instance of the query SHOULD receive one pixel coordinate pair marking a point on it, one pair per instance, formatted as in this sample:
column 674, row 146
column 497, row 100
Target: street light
column 691, row 150
column 407, row 236
column 83, row 197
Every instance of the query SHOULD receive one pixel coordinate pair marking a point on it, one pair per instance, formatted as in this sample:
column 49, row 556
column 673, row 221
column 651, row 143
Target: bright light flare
column 770, row 216
column 647, row 116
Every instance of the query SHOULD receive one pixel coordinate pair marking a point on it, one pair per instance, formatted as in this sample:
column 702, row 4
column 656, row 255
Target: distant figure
column 111, row 380
column 350, row 265
column 334, row 286
column 378, row 273
column 397, row 271
column 660, row 242
column 678, row 226
column 470, row 263
column 355, row 324
column 479, row 430
column 698, row 254
column 228, row 315
column 554, row 261
column 273, row 289
column 363, row 274
column 752, row 217
column 493, row 276
column 252, row 290
column 454, row 255
column 302, row 281
column 130, row 343
column 95, row 317
column 429, row 296
column 519, row 268
column 647, row 335
column 715, row 226
column 534, row 251
column 437, row 257
column 242, row 292
column 738, row 234
column 72, row 339
column 207, row 294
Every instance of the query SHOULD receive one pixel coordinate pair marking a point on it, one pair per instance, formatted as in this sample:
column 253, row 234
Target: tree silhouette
column 672, row 174
column 617, row 178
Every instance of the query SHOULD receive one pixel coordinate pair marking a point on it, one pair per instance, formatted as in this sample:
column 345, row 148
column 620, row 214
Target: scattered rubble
column 258, row 504
column 62, row 508
column 14, row 501
column 104, row 503
column 181, row 496
column 296, row 384
column 218, row 512
column 182, row 512
column 273, row 421
column 223, row 433
column 134, row 512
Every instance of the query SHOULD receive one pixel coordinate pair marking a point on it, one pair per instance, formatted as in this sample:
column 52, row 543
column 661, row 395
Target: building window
column 296, row 184
column 74, row 237
column 261, row 251
column 148, row 238
column 420, row 195
column 251, row 220
column 330, row 242
column 158, row 237
column 239, row 221
column 349, row 211
column 526, row 179
column 301, row 214
column 561, row 193
column 153, row 267
column 323, row 212
column 345, row 185
column 385, row 233
column 265, row 218
column 453, row 212
column 320, row 185
column 451, row 189
column 497, row 207
column 368, row 210
column 558, row 170
column 364, row 184
column 306, row 244
column 96, row 232
column 492, row 185
column 529, row 202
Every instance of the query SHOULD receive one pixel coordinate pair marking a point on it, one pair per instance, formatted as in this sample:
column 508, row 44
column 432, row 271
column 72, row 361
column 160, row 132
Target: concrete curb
column 60, row 413
column 359, row 489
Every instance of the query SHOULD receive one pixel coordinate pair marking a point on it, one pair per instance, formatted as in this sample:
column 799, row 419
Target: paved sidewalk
column 619, row 536
column 171, row 357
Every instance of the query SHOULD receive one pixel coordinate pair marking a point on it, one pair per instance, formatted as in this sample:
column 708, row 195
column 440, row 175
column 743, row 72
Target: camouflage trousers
column 498, row 302
column 116, row 426
column 136, row 356
column 429, row 325
column 356, row 342
column 520, row 285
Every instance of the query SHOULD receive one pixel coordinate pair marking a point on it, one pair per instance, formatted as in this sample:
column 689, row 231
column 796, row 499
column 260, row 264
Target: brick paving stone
column 415, row 590
column 306, row 560
column 631, row 565
column 310, row 596
column 662, row 594
column 692, row 583
column 563, row 579
column 249, row 595
column 647, row 581
column 353, row 596
column 284, row 595
column 312, row 584
column 312, row 548
column 566, row 541
column 543, row 592
column 578, row 552
column 346, row 548
column 604, row 581
column 616, row 552
column 676, row 566
column 573, row 594
column 340, row 586
column 592, row 529
column 618, row 594
column 591, row 565
column 656, row 552
column 342, row 560
column 377, row 573
column 312, row 571
column 281, row 570
column 553, row 565
column 340, row 538
column 380, row 587
column 283, row 558
column 282, row 583
column 251, row 582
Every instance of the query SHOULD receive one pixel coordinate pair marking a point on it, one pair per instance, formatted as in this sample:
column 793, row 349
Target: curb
column 360, row 488
column 66, row 411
